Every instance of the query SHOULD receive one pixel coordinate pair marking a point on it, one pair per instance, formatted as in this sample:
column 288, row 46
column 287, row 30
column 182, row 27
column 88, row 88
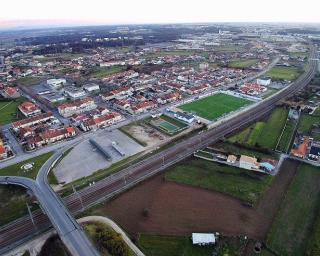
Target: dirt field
column 149, row 135
column 174, row 209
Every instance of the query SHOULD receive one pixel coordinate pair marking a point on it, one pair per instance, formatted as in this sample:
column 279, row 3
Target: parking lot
column 85, row 159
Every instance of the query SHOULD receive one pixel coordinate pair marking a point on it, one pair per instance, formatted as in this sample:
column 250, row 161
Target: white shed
column 203, row 238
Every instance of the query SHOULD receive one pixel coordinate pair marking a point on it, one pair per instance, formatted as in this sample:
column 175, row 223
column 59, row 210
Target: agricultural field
column 273, row 128
column 9, row 110
column 248, row 136
column 263, row 134
column 155, row 245
column 284, row 73
column 294, row 222
column 238, row 63
column 287, row 136
column 245, row 185
column 168, row 125
column 215, row 106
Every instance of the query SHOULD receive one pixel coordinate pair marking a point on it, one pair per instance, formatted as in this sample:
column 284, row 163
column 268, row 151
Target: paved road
column 22, row 156
column 66, row 226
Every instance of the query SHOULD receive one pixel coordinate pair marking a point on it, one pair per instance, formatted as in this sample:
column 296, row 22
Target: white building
column 77, row 106
column 264, row 81
column 203, row 238
column 56, row 83
column 74, row 93
column 91, row 88
column 248, row 162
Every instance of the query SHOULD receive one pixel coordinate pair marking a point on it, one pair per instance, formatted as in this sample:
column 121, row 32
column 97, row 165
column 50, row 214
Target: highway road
column 23, row 228
column 66, row 226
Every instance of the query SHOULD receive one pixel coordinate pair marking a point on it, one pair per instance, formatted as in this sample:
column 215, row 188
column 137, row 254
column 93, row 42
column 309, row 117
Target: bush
column 107, row 239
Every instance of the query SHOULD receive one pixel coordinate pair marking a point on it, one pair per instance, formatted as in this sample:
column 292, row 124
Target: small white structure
column 203, row 238
column 74, row 93
column 91, row 88
column 56, row 83
column 248, row 162
column 264, row 81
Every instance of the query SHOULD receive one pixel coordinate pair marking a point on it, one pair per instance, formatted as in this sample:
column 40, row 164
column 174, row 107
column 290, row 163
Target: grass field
column 263, row 134
column 15, row 170
column 245, row 63
column 248, row 136
column 215, row 106
column 245, row 185
column 9, row 111
column 287, row 136
column 154, row 245
column 12, row 203
column 306, row 122
column 292, row 227
column 106, row 71
column 13, row 198
column 273, row 128
column 284, row 73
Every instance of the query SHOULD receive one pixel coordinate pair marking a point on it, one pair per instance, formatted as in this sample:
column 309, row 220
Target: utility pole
column 80, row 199
column 31, row 217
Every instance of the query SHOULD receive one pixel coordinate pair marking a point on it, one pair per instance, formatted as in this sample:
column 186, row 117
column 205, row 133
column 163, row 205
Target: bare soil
column 160, row 207
column 148, row 135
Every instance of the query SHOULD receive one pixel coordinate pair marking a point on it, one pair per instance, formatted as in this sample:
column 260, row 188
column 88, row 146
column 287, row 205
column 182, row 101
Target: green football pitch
column 215, row 106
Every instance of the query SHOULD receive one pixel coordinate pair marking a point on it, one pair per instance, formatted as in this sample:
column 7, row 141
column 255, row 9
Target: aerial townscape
column 159, row 139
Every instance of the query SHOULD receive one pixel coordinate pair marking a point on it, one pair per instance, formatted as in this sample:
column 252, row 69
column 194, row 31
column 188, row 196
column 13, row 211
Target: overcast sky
column 160, row 11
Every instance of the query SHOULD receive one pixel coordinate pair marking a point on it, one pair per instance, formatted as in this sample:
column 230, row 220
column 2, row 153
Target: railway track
column 22, row 229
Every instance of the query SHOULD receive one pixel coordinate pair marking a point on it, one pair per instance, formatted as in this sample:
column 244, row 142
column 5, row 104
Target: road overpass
column 66, row 226
column 152, row 165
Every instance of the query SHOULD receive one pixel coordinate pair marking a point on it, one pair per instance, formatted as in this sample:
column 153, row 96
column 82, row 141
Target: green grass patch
column 286, row 136
column 241, row 137
column 15, row 169
column 201, row 153
column 9, row 110
column 292, row 227
column 271, row 131
column 245, row 63
column 245, row 185
column 12, row 203
column 155, row 245
column 284, row 73
column 106, row 71
column 263, row 134
column 306, row 122
column 215, row 106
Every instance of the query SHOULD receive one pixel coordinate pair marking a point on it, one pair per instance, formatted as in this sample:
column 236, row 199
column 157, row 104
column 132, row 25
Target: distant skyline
column 30, row 13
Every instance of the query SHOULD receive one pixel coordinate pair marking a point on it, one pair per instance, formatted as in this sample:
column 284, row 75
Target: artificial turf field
column 215, row 106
